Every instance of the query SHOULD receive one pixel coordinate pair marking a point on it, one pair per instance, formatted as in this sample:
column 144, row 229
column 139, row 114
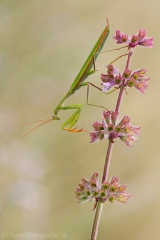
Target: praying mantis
column 76, row 85
column 79, row 82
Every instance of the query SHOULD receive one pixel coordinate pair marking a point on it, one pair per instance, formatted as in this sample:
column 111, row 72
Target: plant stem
column 110, row 145
column 119, row 100
column 95, row 226
column 99, row 203
column 121, row 92
column 108, row 159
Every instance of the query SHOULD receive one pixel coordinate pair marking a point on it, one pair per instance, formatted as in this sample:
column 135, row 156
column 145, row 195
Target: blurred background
column 43, row 45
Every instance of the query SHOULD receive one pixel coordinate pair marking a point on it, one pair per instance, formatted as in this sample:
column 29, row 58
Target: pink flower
column 114, row 79
column 138, row 80
column 90, row 190
column 142, row 85
column 125, row 120
column 148, row 42
column 110, row 130
column 121, row 37
column 132, row 41
column 126, row 73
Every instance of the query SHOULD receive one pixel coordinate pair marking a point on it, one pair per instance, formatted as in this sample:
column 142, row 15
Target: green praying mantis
column 85, row 71
column 79, row 82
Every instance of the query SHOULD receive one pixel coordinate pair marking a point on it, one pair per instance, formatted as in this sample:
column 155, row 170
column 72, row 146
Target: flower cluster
column 114, row 79
column 110, row 130
column 90, row 190
column 132, row 41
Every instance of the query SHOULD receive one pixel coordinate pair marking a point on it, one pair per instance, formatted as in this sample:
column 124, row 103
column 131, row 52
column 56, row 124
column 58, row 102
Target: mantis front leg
column 74, row 118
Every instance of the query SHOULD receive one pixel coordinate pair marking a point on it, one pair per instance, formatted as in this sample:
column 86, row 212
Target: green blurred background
column 43, row 44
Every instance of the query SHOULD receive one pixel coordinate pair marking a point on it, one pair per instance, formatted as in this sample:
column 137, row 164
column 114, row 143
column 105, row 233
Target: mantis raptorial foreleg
column 74, row 118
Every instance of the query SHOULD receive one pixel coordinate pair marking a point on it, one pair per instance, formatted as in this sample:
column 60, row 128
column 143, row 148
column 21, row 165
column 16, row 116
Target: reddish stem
column 108, row 158
column 97, row 217
column 121, row 92
column 118, row 104
column 107, row 161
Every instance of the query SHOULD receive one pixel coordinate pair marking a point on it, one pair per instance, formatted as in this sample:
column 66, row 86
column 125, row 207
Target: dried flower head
column 114, row 79
column 132, row 41
column 90, row 190
column 110, row 130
